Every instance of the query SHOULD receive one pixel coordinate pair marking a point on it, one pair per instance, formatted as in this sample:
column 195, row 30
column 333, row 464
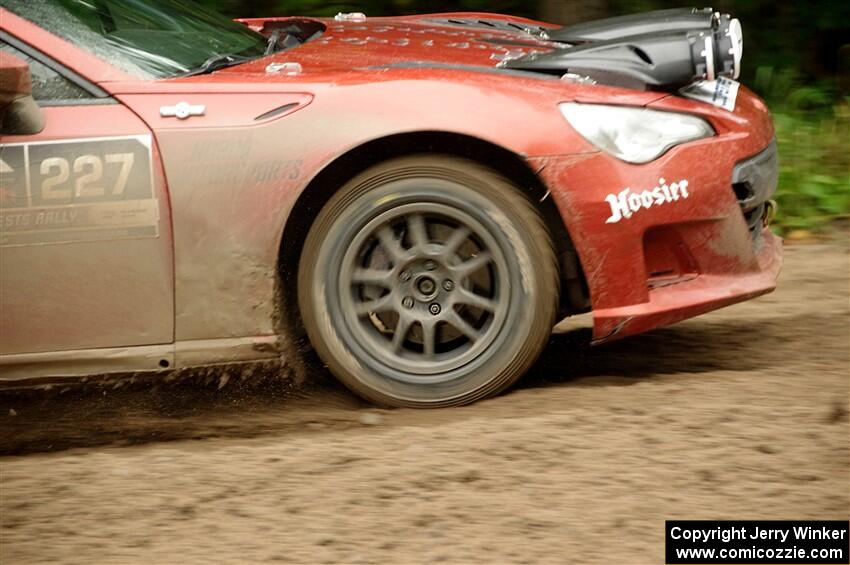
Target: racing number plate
column 77, row 190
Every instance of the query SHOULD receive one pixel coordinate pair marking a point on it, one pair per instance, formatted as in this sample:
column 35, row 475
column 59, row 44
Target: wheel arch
column 574, row 295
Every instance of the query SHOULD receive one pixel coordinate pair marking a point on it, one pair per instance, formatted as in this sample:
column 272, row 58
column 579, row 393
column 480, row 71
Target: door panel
column 86, row 258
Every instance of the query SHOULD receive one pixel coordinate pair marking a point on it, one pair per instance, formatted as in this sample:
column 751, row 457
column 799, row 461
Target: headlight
column 635, row 135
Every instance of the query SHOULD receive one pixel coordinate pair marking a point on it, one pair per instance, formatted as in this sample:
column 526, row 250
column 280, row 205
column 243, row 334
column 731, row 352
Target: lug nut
column 407, row 302
column 430, row 265
column 404, row 276
column 448, row 284
column 434, row 308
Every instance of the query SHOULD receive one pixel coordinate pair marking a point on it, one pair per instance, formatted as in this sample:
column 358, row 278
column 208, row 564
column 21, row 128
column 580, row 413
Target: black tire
column 428, row 281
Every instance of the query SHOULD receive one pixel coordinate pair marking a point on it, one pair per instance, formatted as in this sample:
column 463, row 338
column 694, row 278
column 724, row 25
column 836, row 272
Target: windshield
column 146, row 38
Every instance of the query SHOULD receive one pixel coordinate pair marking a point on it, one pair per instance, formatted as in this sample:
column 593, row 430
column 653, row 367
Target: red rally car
column 419, row 199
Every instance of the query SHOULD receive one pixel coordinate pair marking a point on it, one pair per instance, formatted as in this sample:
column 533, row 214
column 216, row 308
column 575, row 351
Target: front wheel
column 428, row 281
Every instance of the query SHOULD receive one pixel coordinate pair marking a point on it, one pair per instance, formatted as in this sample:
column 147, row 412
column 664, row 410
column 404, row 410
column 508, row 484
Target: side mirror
column 19, row 114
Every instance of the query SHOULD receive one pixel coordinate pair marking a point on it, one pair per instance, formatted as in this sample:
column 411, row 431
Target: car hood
column 377, row 43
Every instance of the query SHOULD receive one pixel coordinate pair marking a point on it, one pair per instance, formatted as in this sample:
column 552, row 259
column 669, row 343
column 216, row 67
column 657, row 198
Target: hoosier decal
column 627, row 203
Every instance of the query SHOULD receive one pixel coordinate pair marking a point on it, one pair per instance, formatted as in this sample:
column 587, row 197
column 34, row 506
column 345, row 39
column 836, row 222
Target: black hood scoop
column 659, row 21
column 665, row 49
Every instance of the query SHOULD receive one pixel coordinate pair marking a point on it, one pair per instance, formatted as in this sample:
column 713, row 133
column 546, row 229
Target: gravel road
column 742, row 413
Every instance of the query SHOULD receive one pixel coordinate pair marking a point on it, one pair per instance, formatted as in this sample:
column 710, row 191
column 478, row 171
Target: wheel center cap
column 426, row 286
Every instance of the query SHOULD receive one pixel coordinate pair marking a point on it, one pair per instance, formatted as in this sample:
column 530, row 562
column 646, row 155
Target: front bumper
column 700, row 294
column 653, row 254
column 754, row 182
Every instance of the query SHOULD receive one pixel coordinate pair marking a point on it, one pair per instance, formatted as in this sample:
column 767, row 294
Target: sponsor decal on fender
column 627, row 203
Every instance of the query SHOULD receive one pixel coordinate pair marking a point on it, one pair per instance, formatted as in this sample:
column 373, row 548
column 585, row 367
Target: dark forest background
column 796, row 56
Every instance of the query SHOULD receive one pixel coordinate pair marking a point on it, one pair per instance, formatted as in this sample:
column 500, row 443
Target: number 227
column 88, row 172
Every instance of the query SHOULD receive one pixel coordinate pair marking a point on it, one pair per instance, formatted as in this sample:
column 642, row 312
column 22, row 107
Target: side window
column 47, row 85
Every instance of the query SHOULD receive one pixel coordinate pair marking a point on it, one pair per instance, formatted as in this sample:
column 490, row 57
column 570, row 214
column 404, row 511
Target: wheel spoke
column 418, row 231
column 428, row 337
column 402, row 328
column 475, row 263
column 372, row 276
column 391, row 244
column 421, row 287
column 454, row 241
column 468, row 297
column 382, row 304
column 455, row 320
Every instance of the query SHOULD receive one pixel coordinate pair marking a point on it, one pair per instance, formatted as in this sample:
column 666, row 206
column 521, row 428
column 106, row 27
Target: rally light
column 663, row 50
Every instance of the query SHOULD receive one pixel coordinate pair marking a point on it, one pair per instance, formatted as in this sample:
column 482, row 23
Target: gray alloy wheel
column 428, row 281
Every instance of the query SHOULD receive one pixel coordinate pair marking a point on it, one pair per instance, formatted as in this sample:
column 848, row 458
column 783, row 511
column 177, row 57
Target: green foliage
column 813, row 132
column 812, row 124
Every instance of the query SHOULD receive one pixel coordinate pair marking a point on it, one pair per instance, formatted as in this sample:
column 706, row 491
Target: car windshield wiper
column 290, row 39
column 273, row 39
column 217, row 62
